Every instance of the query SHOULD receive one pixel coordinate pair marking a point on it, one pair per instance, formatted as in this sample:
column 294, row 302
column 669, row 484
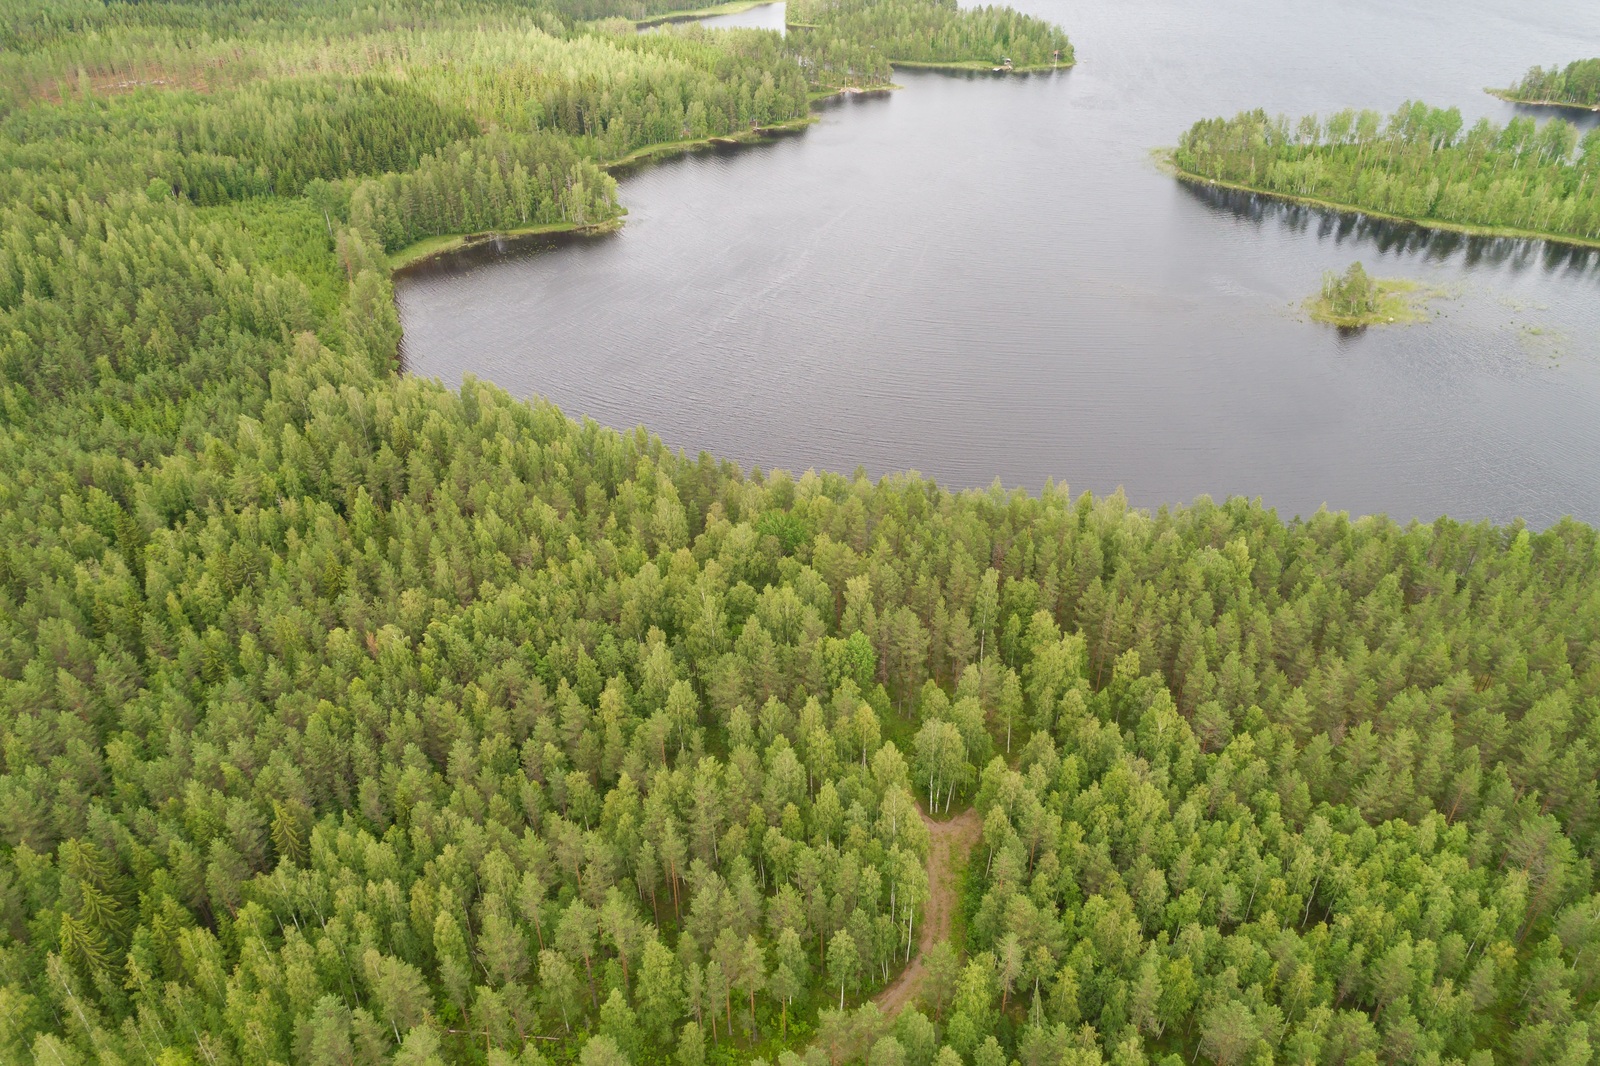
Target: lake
column 987, row 277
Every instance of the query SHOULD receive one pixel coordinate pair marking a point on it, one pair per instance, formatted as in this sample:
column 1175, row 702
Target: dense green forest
column 931, row 32
column 1420, row 164
column 1575, row 85
column 347, row 718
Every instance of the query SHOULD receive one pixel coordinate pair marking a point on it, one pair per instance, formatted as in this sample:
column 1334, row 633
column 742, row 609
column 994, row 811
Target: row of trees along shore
column 928, row 32
column 1575, row 85
column 351, row 719
column 1419, row 164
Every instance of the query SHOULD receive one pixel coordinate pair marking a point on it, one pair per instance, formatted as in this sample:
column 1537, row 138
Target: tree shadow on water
column 1402, row 238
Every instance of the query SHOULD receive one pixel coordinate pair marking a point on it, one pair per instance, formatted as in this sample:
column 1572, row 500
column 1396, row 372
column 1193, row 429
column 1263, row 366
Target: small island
column 1577, row 85
column 1356, row 299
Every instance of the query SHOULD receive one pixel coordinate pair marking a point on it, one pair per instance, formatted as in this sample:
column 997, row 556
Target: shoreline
column 733, row 7
column 840, row 91
column 1505, row 94
column 977, row 66
column 956, row 66
column 1464, row 228
column 448, row 243
column 669, row 148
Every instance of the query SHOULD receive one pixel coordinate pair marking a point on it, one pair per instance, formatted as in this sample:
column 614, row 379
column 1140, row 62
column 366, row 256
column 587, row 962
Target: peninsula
column 1420, row 165
column 1577, row 85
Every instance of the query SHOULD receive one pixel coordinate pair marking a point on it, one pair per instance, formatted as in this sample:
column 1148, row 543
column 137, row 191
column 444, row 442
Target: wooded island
column 1356, row 299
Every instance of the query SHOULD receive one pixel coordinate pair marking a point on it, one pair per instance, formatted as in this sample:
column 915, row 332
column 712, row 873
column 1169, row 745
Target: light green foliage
column 691, row 1045
column 602, row 1050
column 844, row 963
column 1274, row 905
column 887, row 1051
column 1351, row 294
column 941, row 761
column 1352, row 299
column 1418, row 165
column 916, row 1035
column 1578, row 84
column 350, row 718
column 857, row 39
column 944, row 966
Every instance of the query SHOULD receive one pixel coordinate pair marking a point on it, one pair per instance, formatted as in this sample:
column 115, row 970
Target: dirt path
column 949, row 843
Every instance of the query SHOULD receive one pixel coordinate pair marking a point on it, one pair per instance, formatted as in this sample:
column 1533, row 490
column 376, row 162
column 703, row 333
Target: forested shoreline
column 927, row 33
column 349, row 718
column 1420, row 165
column 1575, row 85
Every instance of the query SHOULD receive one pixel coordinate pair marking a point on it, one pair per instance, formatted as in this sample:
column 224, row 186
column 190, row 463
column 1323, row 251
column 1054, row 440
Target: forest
column 930, row 32
column 349, row 718
column 1420, row 164
column 1575, row 85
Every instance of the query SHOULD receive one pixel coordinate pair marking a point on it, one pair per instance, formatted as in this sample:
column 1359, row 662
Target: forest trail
column 949, row 843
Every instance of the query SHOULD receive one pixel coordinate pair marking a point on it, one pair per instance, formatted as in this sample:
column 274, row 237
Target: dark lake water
column 986, row 277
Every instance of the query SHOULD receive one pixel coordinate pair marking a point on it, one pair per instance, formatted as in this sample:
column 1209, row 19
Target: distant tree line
column 932, row 31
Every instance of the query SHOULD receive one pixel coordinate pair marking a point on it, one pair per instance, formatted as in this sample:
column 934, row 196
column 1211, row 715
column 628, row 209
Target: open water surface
column 760, row 17
column 981, row 277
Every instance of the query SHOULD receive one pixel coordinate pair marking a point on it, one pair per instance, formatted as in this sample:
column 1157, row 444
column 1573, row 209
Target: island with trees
column 1356, row 299
column 935, row 34
column 1576, row 85
column 1420, row 165
column 348, row 718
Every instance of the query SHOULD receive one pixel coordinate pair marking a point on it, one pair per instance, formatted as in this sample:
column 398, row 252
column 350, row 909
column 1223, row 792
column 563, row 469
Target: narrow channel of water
column 987, row 277
column 760, row 17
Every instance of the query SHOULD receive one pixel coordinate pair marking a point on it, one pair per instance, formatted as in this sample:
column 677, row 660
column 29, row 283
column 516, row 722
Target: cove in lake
column 981, row 277
column 760, row 17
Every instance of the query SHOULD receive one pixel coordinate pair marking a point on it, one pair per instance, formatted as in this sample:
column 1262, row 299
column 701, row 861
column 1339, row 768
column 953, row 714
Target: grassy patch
column 970, row 876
